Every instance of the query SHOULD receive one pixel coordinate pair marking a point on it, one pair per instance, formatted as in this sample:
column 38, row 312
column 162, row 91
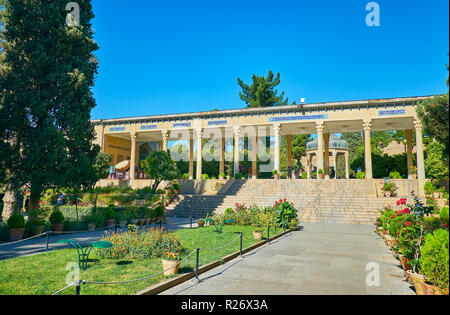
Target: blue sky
column 160, row 57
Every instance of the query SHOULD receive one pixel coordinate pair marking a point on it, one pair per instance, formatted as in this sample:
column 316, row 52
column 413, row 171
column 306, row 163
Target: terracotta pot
column 110, row 222
column 57, row 228
column 16, row 234
column 91, row 226
column 257, row 235
column 320, row 176
column 387, row 194
column 418, row 281
column 430, row 289
column 406, row 266
column 38, row 229
column 201, row 223
column 170, row 267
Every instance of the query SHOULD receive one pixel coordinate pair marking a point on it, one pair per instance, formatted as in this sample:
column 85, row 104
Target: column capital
column 276, row 129
column 165, row 134
column 320, row 127
column 199, row 133
column 133, row 136
column 236, row 131
column 417, row 124
column 367, row 124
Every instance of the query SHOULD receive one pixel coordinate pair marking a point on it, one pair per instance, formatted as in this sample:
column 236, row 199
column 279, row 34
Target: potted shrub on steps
column 16, row 226
column 320, row 173
column 57, row 219
column 110, row 216
column 275, row 174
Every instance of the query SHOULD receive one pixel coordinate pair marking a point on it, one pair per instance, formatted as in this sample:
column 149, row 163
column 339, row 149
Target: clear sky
column 161, row 57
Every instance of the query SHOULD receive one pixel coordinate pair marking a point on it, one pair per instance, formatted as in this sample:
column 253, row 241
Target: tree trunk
column 9, row 204
column 35, row 197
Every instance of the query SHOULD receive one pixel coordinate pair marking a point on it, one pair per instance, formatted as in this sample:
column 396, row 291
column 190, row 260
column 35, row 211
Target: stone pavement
column 319, row 259
column 38, row 245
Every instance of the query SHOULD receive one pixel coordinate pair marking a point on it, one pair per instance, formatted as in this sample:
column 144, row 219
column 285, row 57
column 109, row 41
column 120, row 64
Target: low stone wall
column 405, row 186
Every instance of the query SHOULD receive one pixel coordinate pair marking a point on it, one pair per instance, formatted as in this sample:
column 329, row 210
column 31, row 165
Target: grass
column 46, row 273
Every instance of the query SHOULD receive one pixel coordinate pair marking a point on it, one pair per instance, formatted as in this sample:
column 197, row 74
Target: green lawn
column 46, row 273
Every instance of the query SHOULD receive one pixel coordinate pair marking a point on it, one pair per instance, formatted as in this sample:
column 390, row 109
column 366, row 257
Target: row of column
column 322, row 138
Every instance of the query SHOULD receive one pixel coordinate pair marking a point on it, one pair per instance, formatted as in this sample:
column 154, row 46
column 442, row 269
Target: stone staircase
column 318, row 201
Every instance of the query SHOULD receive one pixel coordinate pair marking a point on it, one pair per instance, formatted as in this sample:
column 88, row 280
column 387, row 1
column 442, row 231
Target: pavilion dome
column 335, row 143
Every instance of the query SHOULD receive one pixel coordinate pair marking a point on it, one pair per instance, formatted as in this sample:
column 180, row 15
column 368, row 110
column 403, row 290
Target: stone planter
column 257, row 235
column 170, row 267
column 16, row 234
column 91, row 226
column 418, row 281
column 110, row 222
column 37, row 229
column 57, row 228
column 123, row 223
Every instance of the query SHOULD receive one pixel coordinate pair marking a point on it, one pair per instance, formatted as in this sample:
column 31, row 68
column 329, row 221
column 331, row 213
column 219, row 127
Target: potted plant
column 121, row 219
column 222, row 176
column 275, row 174
column 201, row 222
column 176, row 188
column 57, row 219
column 16, row 226
column 171, row 263
column 413, row 172
column 434, row 257
column 390, row 189
column 320, row 172
column 110, row 216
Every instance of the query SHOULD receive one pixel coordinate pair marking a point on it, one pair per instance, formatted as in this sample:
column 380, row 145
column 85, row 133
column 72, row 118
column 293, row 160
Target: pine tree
column 47, row 70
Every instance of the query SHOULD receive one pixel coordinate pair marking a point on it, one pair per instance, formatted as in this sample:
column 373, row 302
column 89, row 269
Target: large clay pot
column 170, row 267
column 418, row 281
column 201, row 223
column 433, row 290
column 110, row 222
column 38, row 229
column 57, row 228
column 406, row 266
column 257, row 235
column 16, row 234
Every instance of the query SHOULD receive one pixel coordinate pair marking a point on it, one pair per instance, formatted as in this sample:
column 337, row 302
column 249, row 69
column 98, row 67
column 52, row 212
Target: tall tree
column 46, row 75
column 262, row 92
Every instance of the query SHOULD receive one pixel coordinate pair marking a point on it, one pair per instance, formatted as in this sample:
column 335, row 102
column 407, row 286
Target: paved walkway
column 38, row 245
column 319, row 259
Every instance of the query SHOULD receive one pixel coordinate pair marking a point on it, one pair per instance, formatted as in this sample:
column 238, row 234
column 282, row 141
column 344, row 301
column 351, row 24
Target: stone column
column 320, row 164
column 133, row 137
column 222, row 156
column 165, row 136
column 326, row 161
column 276, row 134
column 254, row 157
column 199, row 134
column 335, row 162
column 409, row 157
column 347, row 170
column 289, row 153
column 191, row 158
column 367, row 124
column 308, row 166
column 236, row 133
column 419, row 147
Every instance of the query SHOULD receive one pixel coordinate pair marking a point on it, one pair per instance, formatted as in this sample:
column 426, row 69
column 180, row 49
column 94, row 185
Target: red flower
column 392, row 217
column 444, row 225
column 407, row 223
column 284, row 200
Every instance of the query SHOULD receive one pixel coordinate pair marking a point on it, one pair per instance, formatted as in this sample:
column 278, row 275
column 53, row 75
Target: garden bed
column 46, row 273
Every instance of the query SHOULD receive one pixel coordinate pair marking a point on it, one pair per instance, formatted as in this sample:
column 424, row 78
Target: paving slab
column 319, row 259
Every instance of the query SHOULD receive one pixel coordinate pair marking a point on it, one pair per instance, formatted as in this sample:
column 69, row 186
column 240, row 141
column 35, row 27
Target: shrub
column 320, row 171
column 429, row 188
column 154, row 243
column 391, row 188
column 360, row 175
column 304, row 175
column 274, row 172
column 395, row 175
column 286, row 212
column 204, row 176
column 176, row 186
column 109, row 214
column 16, row 221
column 444, row 215
column 238, row 176
column 434, row 258
column 222, row 175
column 431, row 224
column 56, row 217
column 185, row 176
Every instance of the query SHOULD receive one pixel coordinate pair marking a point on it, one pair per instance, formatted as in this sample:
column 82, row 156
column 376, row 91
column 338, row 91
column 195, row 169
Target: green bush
column 176, row 186
column 109, row 214
column 431, row 224
column 204, row 176
column 360, row 175
column 444, row 215
column 304, row 175
column 429, row 188
column 185, row 176
column 395, row 175
column 320, row 171
column 238, row 176
column 434, row 258
column 56, row 217
column 16, row 221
